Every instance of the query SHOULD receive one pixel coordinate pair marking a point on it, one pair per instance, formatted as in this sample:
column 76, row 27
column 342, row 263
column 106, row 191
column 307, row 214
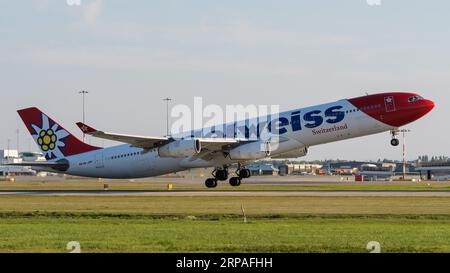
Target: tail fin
column 53, row 140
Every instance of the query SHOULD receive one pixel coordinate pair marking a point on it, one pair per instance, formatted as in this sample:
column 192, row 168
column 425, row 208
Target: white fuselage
column 297, row 129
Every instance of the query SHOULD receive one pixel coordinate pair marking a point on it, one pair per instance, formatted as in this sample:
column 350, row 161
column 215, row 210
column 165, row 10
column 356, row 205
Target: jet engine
column 181, row 148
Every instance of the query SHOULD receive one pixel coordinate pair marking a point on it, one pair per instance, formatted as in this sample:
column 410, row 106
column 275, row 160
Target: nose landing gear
column 394, row 141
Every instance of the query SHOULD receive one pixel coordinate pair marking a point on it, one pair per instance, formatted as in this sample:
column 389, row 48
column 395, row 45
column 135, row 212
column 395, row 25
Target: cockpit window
column 415, row 98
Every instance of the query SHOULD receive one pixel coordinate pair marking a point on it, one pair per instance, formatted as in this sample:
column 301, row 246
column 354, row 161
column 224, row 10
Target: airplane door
column 99, row 161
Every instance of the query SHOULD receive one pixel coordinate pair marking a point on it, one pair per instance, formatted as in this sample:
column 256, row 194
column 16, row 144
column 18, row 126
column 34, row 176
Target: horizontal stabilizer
column 60, row 165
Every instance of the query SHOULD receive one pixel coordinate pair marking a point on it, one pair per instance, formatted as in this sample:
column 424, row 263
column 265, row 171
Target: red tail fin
column 53, row 140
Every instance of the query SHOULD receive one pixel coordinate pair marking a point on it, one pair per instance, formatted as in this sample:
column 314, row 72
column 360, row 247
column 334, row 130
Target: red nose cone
column 395, row 109
column 417, row 112
column 429, row 105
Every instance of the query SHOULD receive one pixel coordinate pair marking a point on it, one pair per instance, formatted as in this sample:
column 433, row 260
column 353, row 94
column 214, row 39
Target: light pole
column 404, row 131
column 18, row 139
column 167, row 100
column 84, row 93
column 9, row 144
column 18, row 135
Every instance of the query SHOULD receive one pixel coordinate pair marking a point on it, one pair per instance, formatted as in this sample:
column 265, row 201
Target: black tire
column 245, row 173
column 395, row 142
column 235, row 181
column 221, row 175
column 211, row 183
column 239, row 182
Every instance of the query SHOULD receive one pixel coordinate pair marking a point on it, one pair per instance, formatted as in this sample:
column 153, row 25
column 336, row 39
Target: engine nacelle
column 181, row 148
column 251, row 151
column 292, row 154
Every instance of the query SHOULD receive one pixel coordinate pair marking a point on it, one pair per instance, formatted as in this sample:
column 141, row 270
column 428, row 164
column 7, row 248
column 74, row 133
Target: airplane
column 442, row 178
column 296, row 131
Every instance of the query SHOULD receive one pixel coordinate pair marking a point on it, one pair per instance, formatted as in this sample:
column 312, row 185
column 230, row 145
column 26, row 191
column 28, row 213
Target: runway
column 225, row 193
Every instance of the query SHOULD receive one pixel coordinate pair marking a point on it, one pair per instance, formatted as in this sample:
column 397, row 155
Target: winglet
column 85, row 128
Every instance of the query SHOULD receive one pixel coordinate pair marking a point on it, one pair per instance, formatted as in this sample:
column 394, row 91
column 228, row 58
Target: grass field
column 224, row 205
column 214, row 224
column 291, row 234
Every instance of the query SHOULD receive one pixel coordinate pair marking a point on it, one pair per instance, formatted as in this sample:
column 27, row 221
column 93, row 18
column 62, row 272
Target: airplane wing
column 137, row 141
column 209, row 145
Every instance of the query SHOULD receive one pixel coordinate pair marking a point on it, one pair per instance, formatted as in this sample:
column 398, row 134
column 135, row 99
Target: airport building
column 344, row 168
column 298, row 169
column 32, row 156
column 374, row 172
column 8, row 154
column 13, row 156
column 371, row 171
column 262, row 168
column 434, row 170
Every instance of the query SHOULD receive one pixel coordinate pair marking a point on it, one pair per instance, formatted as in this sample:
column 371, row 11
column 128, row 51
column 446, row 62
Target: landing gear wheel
column 244, row 173
column 221, row 175
column 395, row 142
column 211, row 183
column 235, row 181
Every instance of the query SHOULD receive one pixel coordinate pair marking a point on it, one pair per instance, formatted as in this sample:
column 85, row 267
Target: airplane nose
column 431, row 104
column 428, row 105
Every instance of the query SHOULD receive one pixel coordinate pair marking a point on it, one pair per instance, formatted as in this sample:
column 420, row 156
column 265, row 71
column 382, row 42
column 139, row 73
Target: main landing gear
column 241, row 173
column 222, row 174
column 394, row 141
column 211, row 183
column 219, row 175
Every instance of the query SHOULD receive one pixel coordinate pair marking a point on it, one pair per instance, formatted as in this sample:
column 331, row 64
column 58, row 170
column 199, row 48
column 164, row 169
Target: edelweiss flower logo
column 50, row 138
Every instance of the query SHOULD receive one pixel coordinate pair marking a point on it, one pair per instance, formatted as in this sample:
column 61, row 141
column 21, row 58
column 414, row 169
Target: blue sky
column 131, row 54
